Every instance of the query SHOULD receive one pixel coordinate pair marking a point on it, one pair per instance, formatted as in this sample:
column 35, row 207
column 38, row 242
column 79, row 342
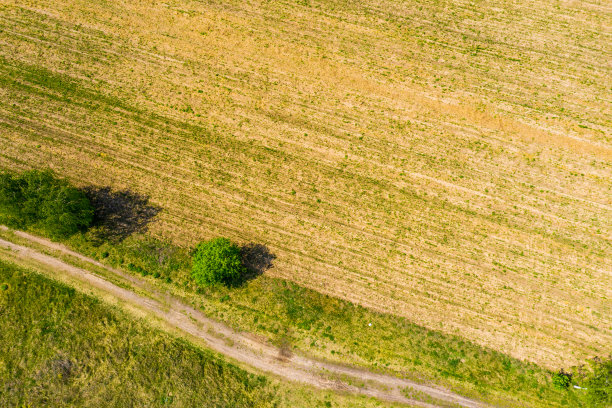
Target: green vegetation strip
column 81, row 352
column 327, row 327
column 62, row 348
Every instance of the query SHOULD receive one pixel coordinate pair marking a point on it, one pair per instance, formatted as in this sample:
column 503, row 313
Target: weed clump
column 561, row 380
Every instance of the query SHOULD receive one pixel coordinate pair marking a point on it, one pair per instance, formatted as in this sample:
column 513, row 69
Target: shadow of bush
column 257, row 259
column 119, row 214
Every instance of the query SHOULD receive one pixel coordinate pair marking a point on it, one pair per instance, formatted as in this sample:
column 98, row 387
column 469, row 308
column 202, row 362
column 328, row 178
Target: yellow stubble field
column 445, row 161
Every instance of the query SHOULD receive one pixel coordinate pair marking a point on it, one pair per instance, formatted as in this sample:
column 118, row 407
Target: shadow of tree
column 257, row 259
column 119, row 214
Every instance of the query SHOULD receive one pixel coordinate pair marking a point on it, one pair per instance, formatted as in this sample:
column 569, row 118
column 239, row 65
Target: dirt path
column 239, row 346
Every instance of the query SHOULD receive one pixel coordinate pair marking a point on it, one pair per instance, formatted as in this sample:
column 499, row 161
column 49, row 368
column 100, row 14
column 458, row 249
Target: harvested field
column 445, row 161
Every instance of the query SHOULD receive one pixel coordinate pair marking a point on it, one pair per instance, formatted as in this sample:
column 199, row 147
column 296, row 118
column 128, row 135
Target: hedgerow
column 40, row 201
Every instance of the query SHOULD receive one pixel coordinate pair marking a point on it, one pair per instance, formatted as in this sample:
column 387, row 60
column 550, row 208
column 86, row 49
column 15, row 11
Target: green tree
column 39, row 200
column 218, row 261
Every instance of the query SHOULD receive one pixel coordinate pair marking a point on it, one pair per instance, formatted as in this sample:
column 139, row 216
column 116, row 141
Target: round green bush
column 561, row 380
column 217, row 261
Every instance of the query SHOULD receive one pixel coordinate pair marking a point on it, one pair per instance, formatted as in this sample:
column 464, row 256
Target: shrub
column 218, row 261
column 37, row 199
column 561, row 380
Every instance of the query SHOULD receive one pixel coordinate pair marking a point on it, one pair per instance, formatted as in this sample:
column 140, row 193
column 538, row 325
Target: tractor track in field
column 239, row 346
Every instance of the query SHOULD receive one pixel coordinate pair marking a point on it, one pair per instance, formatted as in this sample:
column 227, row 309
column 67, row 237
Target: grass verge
column 64, row 348
column 82, row 352
column 333, row 329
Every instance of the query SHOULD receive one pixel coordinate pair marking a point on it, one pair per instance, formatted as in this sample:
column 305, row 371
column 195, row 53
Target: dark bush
column 218, row 261
column 39, row 200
